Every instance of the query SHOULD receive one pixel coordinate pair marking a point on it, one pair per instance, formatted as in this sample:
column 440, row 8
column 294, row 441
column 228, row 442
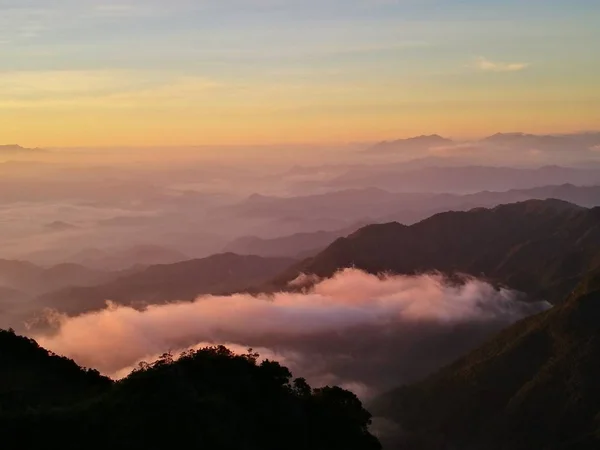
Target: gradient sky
column 181, row 72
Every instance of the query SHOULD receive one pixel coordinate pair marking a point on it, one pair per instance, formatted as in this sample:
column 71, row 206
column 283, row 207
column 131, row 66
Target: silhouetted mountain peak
column 15, row 148
column 379, row 229
column 121, row 259
column 413, row 143
column 258, row 198
column 181, row 281
column 514, row 134
column 59, row 225
column 541, row 247
column 537, row 206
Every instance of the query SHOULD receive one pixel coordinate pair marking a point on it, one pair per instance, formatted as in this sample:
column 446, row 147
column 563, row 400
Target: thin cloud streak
column 485, row 65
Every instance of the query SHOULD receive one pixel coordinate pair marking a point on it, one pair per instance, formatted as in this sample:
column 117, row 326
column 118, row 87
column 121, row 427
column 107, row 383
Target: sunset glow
column 88, row 73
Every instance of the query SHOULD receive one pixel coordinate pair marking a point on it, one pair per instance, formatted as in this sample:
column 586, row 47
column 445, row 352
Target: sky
column 197, row 72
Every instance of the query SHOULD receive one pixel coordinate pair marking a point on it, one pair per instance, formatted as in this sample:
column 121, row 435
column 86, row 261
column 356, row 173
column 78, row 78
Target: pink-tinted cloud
column 353, row 329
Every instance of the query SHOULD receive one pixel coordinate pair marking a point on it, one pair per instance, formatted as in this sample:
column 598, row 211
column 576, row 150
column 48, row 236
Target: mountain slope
column 15, row 150
column 32, row 377
column 550, row 143
column 209, row 398
column 418, row 143
column 32, row 279
column 123, row 259
column 539, row 247
column 347, row 205
column 464, row 179
column 535, row 385
column 291, row 246
column 383, row 207
column 218, row 274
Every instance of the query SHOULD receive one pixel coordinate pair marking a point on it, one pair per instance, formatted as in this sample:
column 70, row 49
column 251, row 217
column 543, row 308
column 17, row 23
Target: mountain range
column 411, row 144
column 299, row 245
column 465, row 179
column 382, row 206
column 13, row 149
column 558, row 142
column 33, row 279
column 121, row 259
column 533, row 385
column 541, row 247
column 183, row 281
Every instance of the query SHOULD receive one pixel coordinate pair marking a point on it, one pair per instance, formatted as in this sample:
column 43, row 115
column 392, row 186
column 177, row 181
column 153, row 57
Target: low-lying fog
column 55, row 203
column 113, row 211
column 361, row 331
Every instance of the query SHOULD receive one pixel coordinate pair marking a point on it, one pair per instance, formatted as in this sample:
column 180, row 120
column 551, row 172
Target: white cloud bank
column 355, row 329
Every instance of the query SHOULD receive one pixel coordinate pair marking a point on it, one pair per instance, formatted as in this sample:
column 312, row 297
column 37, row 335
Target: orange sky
column 242, row 72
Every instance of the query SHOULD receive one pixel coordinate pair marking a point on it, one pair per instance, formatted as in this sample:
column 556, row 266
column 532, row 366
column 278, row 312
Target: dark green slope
column 31, row 377
column 534, row 386
column 542, row 247
column 208, row 399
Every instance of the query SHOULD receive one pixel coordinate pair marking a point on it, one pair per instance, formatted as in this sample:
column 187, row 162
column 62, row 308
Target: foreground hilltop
column 35, row 379
column 534, row 386
column 209, row 398
column 541, row 247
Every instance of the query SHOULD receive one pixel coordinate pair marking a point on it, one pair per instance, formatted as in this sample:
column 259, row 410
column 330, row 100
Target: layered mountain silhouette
column 59, row 225
column 411, row 144
column 121, row 259
column 14, row 149
column 372, row 205
column 210, row 398
column 541, row 247
column 588, row 196
column 299, row 245
column 21, row 282
column 218, row 274
column 383, row 207
column 535, row 385
column 33, row 279
column 10, row 298
column 548, row 142
column 462, row 179
column 347, row 205
column 557, row 142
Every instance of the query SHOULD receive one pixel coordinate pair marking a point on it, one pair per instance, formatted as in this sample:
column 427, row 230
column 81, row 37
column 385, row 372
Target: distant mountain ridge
column 374, row 205
column 541, row 247
column 9, row 149
column 555, row 142
column 295, row 245
column 183, row 281
column 552, row 142
column 30, row 278
column 463, row 179
column 411, row 144
column 121, row 259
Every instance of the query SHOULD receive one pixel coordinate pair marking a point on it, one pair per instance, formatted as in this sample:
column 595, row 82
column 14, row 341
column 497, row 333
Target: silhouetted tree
column 210, row 398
